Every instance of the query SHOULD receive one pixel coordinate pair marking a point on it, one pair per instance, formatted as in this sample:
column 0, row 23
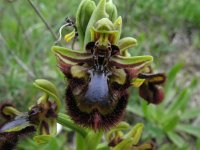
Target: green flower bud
column 135, row 133
column 83, row 15
column 98, row 13
column 111, row 10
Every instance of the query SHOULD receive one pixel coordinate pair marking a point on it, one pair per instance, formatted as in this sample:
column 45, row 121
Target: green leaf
column 171, row 76
column 181, row 100
column 93, row 139
column 169, row 122
column 190, row 113
column 136, row 110
column 176, row 139
column 190, row 129
column 80, row 143
column 53, row 144
column 198, row 144
column 103, row 146
column 145, row 109
column 180, row 103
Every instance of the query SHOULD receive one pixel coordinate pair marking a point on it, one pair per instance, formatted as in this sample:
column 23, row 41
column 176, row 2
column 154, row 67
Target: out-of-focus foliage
column 172, row 118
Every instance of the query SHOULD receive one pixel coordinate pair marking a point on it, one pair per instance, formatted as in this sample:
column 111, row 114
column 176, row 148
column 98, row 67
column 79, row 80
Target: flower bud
column 83, row 15
column 111, row 10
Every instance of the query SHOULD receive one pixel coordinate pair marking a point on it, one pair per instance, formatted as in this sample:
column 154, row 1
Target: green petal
column 69, row 56
column 118, row 27
column 126, row 43
column 137, row 62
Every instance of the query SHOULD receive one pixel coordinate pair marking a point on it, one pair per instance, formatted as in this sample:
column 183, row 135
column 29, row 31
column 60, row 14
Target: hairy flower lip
column 82, row 118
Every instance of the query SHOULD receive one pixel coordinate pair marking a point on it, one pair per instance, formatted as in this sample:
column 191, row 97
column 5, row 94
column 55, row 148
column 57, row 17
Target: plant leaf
column 180, row 103
column 190, row 129
column 176, row 139
column 190, row 113
column 136, row 110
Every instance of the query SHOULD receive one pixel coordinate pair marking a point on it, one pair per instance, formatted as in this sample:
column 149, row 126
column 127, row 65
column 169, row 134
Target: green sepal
column 41, row 139
column 126, row 144
column 121, row 126
column 135, row 133
column 144, row 146
column 50, row 89
column 118, row 27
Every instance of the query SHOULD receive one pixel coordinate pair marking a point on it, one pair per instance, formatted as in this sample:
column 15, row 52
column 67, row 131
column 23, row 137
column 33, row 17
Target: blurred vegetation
column 25, row 54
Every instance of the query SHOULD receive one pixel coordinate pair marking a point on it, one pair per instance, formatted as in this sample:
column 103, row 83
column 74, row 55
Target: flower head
column 100, row 74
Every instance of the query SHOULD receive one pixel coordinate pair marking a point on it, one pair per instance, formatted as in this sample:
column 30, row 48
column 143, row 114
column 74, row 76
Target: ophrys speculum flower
column 99, row 77
column 100, row 73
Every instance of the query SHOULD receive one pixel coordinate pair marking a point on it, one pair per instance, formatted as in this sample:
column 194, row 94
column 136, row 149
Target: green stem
column 65, row 121
column 43, row 19
column 93, row 139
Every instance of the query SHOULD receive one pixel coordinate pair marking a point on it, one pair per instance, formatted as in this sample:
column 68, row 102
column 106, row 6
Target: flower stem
column 65, row 121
